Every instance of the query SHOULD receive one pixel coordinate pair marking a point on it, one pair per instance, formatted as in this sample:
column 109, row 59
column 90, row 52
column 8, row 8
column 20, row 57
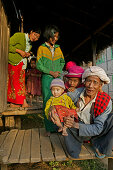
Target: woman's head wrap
column 75, row 71
column 96, row 71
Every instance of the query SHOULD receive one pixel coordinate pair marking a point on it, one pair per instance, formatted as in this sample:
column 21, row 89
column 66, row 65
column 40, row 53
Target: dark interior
column 80, row 22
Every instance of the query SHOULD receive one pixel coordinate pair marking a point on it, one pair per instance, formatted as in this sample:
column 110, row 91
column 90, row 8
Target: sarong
column 16, row 84
column 63, row 111
column 46, row 92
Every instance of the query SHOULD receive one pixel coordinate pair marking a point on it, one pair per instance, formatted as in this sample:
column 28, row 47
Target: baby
column 62, row 105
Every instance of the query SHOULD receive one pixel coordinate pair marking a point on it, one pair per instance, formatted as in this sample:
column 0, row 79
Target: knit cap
column 75, row 71
column 70, row 64
column 57, row 82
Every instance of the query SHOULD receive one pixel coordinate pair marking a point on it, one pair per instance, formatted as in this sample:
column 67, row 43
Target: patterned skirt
column 16, row 84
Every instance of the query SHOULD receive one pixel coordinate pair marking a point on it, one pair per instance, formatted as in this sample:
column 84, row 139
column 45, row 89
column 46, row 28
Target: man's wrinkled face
column 93, row 84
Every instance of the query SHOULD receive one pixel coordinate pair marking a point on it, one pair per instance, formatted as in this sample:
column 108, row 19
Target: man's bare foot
column 47, row 134
column 98, row 154
column 14, row 105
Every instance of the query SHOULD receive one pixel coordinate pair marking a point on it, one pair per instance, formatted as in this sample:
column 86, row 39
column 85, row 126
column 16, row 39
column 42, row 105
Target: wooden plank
column 25, row 152
column 2, row 139
column 8, row 143
column 35, row 146
column 84, row 154
column 15, row 153
column 3, row 136
column 90, row 149
column 46, row 149
column 57, row 147
column 21, row 112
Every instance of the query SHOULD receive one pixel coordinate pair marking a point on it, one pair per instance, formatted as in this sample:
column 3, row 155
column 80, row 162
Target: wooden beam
column 73, row 6
column 94, row 33
column 21, row 112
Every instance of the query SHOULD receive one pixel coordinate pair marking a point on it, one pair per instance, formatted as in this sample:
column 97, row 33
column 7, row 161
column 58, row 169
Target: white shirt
column 84, row 112
column 28, row 46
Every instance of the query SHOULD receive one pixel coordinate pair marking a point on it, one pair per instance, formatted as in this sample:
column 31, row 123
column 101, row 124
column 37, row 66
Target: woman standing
column 50, row 61
column 19, row 51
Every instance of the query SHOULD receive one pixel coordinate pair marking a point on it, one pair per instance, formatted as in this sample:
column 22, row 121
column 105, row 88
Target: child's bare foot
column 64, row 133
column 37, row 99
column 60, row 129
column 47, row 134
column 14, row 105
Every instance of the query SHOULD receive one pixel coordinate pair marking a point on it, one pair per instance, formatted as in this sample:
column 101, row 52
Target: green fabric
column 17, row 41
column 45, row 63
column 46, row 81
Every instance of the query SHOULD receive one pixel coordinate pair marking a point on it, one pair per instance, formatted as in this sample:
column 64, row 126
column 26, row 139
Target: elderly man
column 95, row 117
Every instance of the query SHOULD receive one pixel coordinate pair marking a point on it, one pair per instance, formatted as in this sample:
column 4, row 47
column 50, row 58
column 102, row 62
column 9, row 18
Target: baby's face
column 57, row 91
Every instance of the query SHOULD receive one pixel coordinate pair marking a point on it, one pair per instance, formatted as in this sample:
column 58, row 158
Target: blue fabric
column 97, row 127
column 103, row 142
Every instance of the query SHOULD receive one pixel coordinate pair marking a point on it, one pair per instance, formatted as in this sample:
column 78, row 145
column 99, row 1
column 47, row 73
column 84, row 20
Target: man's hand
column 70, row 123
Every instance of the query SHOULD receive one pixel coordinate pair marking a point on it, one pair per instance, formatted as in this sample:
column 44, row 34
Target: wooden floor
column 30, row 146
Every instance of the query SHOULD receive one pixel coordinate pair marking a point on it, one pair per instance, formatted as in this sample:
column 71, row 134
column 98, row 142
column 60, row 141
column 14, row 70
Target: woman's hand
column 55, row 74
column 23, row 53
column 70, row 123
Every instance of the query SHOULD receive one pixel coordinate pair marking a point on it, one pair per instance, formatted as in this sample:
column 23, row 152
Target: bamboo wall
column 105, row 61
column 4, row 41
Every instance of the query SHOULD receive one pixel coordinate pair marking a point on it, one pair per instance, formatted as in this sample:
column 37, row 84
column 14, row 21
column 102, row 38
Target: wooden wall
column 4, row 41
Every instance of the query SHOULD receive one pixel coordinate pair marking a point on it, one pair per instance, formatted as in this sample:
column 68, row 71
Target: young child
column 74, row 78
column 33, row 81
column 62, row 103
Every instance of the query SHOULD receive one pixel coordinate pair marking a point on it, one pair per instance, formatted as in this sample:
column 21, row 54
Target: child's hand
column 71, row 89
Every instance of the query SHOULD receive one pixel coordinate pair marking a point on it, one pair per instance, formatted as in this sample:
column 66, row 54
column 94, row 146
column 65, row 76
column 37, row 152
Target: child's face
column 33, row 64
column 74, row 82
column 57, row 91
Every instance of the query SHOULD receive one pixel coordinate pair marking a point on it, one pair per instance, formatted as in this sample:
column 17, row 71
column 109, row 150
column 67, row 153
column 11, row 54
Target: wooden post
column 22, row 24
column 17, row 122
column 3, row 167
column 94, row 45
column 110, row 163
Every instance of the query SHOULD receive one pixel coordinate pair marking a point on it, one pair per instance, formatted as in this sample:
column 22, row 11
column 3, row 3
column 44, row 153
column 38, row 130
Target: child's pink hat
column 75, row 71
column 70, row 64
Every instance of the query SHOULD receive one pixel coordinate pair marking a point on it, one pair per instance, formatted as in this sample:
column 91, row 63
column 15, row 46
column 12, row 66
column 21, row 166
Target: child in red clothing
column 33, row 80
column 74, row 77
